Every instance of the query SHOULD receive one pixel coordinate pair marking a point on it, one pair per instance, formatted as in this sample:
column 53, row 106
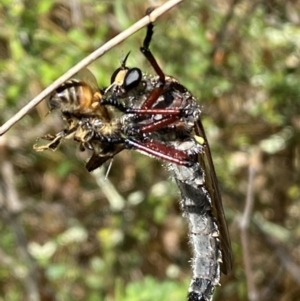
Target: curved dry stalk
column 244, row 228
column 88, row 60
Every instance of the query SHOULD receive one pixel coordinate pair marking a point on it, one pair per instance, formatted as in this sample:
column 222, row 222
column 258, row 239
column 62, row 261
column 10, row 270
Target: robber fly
column 161, row 119
column 166, row 117
column 87, row 121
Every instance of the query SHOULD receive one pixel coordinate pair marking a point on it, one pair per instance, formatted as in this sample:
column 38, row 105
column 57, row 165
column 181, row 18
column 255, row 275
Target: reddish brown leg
column 160, row 151
column 163, row 112
column 157, row 91
column 157, row 125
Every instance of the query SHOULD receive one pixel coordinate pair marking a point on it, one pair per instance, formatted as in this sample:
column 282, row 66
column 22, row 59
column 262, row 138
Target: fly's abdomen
column 206, row 252
column 203, row 230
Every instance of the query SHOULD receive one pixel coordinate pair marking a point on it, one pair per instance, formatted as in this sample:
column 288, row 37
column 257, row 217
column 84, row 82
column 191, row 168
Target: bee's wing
column 206, row 162
column 88, row 77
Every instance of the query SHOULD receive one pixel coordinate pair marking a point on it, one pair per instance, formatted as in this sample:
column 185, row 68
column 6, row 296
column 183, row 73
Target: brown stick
column 89, row 59
column 244, row 226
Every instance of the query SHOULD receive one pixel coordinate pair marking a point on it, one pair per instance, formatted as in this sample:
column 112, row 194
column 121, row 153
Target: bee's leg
column 108, row 138
column 56, row 140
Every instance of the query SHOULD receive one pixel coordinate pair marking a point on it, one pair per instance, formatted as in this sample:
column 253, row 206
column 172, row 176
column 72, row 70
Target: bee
column 80, row 97
column 87, row 121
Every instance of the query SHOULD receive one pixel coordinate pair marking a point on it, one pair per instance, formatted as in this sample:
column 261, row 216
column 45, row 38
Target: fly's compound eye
column 132, row 78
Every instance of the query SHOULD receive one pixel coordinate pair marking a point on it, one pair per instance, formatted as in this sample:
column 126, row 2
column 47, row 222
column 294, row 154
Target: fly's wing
column 206, row 162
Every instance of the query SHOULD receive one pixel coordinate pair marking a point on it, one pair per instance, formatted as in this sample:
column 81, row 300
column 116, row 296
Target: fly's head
column 125, row 80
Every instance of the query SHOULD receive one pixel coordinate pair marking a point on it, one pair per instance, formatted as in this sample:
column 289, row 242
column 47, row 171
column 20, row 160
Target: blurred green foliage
column 70, row 235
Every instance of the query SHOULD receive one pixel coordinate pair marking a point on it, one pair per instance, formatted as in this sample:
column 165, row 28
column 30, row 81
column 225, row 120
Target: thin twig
column 117, row 202
column 88, row 60
column 244, row 226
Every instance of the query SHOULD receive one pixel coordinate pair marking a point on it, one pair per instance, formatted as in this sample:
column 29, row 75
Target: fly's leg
column 158, row 90
column 161, row 151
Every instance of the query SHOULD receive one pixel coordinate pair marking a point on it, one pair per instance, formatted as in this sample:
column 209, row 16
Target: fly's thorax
column 150, row 82
column 135, row 97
